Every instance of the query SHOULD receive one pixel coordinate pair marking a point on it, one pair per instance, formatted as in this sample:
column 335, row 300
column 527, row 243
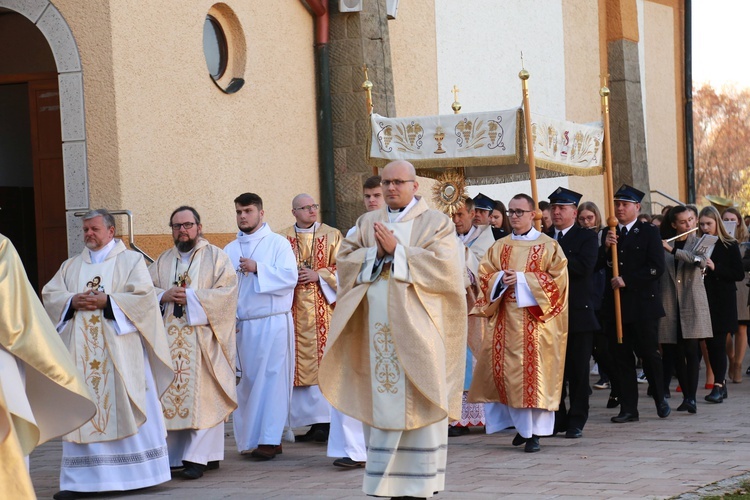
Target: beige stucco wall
column 161, row 134
column 414, row 58
column 414, row 62
column 582, row 84
column 90, row 23
column 663, row 132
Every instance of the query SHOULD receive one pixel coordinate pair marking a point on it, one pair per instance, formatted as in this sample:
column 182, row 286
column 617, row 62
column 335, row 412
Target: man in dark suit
column 581, row 248
column 641, row 262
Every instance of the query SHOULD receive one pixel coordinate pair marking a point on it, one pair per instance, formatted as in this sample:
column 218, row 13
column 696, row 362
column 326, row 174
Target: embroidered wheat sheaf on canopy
column 490, row 146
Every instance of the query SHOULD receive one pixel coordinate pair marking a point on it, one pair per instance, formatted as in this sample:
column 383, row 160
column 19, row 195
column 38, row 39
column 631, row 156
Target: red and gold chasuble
column 521, row 362
column 311, row 311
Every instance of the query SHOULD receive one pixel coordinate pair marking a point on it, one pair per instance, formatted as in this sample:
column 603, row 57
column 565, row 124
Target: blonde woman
column 737, row 344
column 723, row 271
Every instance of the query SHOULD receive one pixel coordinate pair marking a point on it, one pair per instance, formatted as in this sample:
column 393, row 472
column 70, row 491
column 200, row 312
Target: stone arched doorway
column 43, row 170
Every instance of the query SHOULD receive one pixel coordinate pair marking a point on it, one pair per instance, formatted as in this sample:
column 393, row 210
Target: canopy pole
column 524, row 76
column 609, row 193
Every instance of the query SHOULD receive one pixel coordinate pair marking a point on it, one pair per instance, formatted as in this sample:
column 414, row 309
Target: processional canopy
column 488, row 147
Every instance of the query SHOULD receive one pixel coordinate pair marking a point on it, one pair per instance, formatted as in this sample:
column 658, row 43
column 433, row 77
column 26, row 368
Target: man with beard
column 197, row 289
column 267, row 273
column 315, row 246
column 107, row 313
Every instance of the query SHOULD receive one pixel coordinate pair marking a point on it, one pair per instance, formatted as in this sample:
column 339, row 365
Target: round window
column 224, row 47
column 214, row 47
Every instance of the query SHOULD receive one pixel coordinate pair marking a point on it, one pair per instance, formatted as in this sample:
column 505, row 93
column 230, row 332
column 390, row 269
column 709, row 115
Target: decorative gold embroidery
column 96, row 371
column 175, row 400
column 471, row 135
column 387, row 368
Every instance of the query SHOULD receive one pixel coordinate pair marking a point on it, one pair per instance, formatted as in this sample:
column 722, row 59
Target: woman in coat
column 737, row 343
column 684, row 298
column 723, row 271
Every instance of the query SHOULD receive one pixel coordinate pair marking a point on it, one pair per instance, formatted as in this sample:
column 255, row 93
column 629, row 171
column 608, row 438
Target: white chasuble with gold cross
column 104, row 368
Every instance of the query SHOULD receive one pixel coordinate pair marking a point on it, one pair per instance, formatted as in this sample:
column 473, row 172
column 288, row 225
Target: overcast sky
column 720, row 46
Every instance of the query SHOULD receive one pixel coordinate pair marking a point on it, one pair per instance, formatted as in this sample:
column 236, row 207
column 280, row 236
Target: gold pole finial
column 524, row 76
column 456, row 106
column 367, row 85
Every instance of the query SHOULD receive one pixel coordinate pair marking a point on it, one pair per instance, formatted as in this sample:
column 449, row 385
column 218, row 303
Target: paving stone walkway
column 653, row 458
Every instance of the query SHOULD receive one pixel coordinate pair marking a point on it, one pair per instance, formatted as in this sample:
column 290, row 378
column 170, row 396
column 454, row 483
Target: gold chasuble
column 311, row 312
column 112, row 364
column 203, row 392
column 50, row 398
column 522, row 358
column 397, row 349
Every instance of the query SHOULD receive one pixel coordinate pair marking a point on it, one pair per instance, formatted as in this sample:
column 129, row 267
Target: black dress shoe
column 454, row 431
column 532, row 445
column 348, row 463
column 715, row 395
column 518, row 440
column 317, row 433
column 688, row 405
column 67, row 495
column 625, row 417
column 613, row 402
column 212, row 465
column 574, row 433
column 663, row 409
column 192, row 470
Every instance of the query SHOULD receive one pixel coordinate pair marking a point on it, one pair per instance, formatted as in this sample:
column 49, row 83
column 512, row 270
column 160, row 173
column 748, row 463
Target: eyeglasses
column 308, row 207
column 517, row 213
column 396, row 182
column 186, row 225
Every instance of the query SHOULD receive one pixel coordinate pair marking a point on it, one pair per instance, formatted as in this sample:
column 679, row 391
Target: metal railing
column 665, row 195
column 131, row 237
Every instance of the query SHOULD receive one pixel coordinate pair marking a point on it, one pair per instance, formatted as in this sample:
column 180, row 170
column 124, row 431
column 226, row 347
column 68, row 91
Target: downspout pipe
column 689, row 151
column 319, row 9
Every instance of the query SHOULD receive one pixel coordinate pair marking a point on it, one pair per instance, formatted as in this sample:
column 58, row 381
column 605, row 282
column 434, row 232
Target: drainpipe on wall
column 689, row 153
column 319, row 9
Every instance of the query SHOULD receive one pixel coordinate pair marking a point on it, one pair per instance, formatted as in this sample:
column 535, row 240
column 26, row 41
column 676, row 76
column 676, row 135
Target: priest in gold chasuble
column 197, row 287
column 524, row 281
column 108, row 315
column 42, row 393
column 395, row 359
column 315, row 246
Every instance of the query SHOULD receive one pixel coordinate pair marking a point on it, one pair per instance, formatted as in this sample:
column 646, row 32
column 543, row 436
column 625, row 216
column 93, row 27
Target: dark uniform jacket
column 641, row 260
column 581, row 248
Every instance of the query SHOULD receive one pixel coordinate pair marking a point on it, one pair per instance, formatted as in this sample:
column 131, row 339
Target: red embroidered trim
column 498, row 356
column 534, row 259
column 530, row 356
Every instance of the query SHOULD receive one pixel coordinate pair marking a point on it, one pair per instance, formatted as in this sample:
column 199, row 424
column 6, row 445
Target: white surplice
column 308, row 406
column 134, row 462
column 527, row 421
column 399, row 463
column 265, row 340
column 137, row 461
column 346, row 437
